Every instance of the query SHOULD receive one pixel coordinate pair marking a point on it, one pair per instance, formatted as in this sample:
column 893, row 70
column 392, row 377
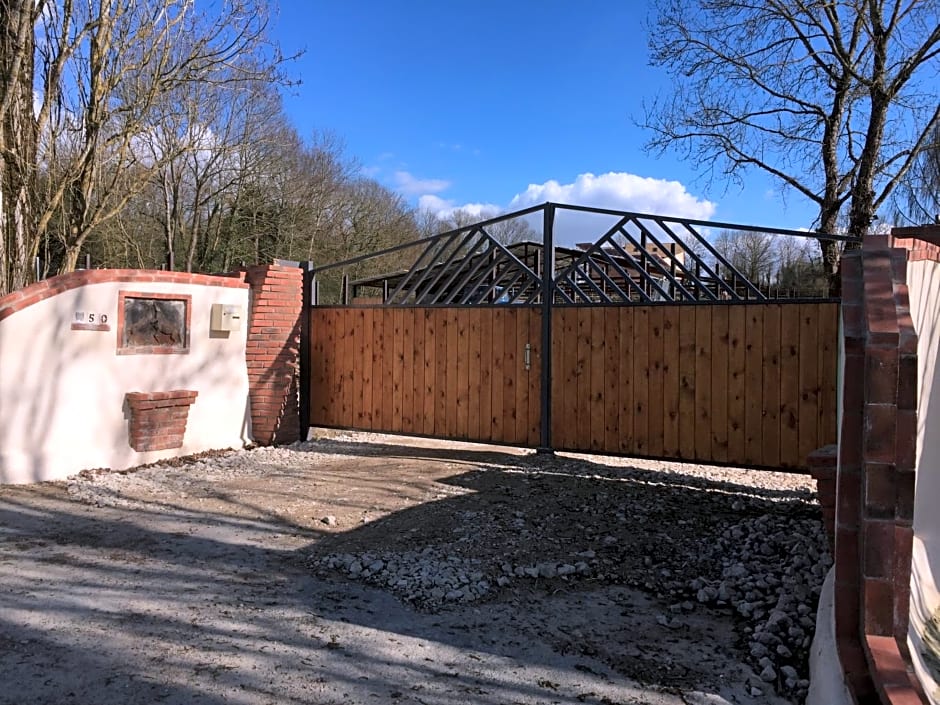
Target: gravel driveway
column 369, row 569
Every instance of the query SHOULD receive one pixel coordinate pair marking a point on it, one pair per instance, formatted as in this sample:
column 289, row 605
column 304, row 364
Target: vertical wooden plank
column 719, row 382
column 441, row 325
column 559, row 376
column 389, row 408
column 342, row 379
column 429, row 396
column 688, row 354
column 737, row 385
column 453, row 350
column 461, row 363
column 407, row 370
column 368, row 375
column 318, row 388
column 656, row 406
column 334, row 414
column 523, row 338
column 417, row 370
column 510, row 375
column 496, row 410
column 562, row 376
column 486, row 375
column 597, row 371
column 828, row 371
column 626, row 316
column 612, row 380
column 354, row 362
column 754, row 383
column 768, row 452
column 535, row 378
column 790, row 385
column 641, row 380
column 378, row 367
column 397, row 357
column 808, row 421
column 583, row 371
column 473, row 387
column 353, row 389
column 703, row 386
column 671, row 377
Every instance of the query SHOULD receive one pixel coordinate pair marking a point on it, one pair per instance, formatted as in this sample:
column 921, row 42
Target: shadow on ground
column 205, row 596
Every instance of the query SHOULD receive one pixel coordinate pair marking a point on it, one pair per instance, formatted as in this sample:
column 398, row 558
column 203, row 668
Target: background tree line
column 147, row 131
column 141, row 132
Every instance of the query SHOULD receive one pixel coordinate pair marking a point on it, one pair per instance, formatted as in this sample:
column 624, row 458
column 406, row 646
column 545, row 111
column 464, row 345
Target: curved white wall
column 62, row 390
column 923, row 278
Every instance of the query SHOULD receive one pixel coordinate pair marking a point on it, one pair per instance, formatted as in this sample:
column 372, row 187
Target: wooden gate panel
column 449, row 372
column 745, row 384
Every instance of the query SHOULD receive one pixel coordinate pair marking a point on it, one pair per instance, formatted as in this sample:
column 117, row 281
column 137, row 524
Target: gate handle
column 528, row 356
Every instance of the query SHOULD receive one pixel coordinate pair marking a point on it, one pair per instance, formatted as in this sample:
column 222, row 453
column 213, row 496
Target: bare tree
column 752, row 253
column 832, row 99
column 505, row 232
column 102, row 72
column 917, row 201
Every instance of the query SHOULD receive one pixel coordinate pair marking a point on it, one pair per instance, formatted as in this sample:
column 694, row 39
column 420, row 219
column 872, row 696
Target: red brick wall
column 158, row 419
column 273, row 352
column 875, row 483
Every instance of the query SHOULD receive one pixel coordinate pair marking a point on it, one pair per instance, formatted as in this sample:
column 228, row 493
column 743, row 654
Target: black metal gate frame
column 468, row 267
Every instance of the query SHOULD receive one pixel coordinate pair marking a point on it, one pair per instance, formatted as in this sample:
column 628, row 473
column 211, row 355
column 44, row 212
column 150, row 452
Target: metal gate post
column 548, row 294
column 303, row 378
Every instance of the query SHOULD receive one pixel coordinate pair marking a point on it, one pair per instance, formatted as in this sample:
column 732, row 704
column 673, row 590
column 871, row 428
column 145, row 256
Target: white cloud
column 614, row 190
column 443, row 208
column 410, row 185
column 619, row 191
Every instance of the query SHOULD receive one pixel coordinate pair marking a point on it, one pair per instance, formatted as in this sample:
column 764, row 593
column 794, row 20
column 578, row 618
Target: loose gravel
column 699, row 540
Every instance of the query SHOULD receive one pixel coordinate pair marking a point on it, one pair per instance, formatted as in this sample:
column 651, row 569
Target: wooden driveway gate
column 653, row 351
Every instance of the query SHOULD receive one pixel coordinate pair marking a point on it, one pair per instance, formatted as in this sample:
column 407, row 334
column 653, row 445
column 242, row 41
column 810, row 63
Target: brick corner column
column 823, row 466
column 272, row 355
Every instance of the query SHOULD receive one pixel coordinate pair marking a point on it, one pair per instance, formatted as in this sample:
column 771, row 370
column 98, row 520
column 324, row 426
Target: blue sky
column 501, row 105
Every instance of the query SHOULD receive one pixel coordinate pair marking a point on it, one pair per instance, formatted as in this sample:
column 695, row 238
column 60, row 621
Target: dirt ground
column 200, row 582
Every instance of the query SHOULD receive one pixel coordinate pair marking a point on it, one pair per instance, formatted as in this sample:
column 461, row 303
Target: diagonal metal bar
column 497, row 282
column 473, row 275
column 563, row 294
column 493, row 264
column 623, row 273
column 420, row 299
column 466, row 261
column 699, row 286
column 509, row 287
column 718, row 257
column 577, row 287
column 440, row 245
column 656, row 260
column 724, row 261
column 504, row 255
column 610, row 282
column 638, row 266
column 578, row 261
column 656, row 263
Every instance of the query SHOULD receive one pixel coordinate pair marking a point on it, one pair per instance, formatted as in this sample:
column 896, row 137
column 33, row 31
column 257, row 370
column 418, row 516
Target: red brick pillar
column 273, row 352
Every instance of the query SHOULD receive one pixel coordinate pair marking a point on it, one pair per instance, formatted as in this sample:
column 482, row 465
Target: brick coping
column 47, row 288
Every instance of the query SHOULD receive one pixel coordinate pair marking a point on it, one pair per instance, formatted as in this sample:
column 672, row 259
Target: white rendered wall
column 923, row 278
column 62, row 391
